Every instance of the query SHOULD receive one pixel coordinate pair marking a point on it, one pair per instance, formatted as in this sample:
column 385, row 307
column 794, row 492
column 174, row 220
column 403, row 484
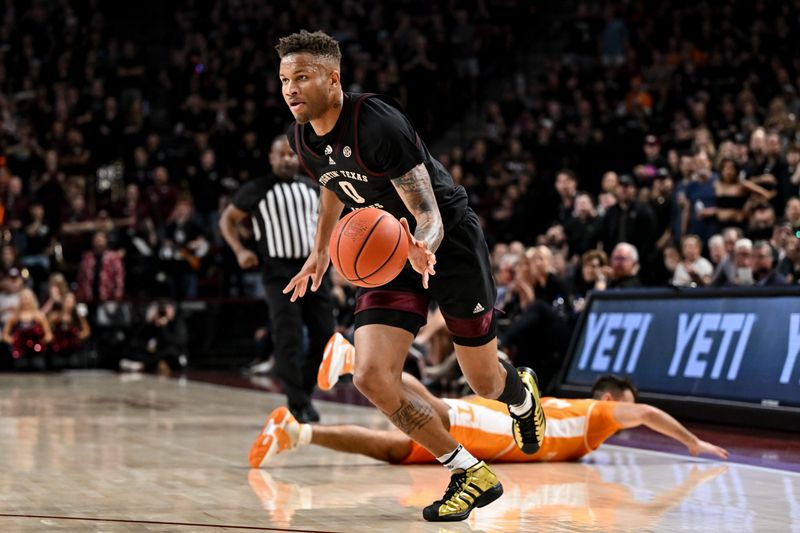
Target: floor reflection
column 565, row 497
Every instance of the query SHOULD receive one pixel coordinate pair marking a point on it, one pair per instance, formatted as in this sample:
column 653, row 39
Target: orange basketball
column 369, row 247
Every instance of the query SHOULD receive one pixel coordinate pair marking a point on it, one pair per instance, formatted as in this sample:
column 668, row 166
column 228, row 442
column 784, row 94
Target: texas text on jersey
column 373, row 143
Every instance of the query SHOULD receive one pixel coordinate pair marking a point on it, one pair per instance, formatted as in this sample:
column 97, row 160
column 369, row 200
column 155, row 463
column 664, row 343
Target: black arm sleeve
column 388, row 140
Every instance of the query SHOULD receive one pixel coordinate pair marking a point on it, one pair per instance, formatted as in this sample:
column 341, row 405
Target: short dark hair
column 568, row 173
column 317, row 43
column 613, row 384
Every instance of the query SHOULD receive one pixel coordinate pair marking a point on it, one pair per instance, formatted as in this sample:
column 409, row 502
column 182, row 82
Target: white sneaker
column 337, row 360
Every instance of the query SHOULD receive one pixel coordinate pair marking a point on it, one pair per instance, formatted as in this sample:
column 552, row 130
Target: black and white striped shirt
column 284, row 215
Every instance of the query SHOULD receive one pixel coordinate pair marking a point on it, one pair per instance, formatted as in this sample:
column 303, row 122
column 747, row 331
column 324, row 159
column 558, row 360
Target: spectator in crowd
column 625, row 267
column 792, row 214
column 39, row 241
column 653, row 162
column 57, row 288
column 546, row 285
column 697, row 199
column 762, row 222
column 183, row 250
column 566, row 188
column 14, row 209
column 789, row 266
column 9, row 260
column 582, row 225
column 739, row 271
column 101, row 277
column 161, row 197
column 694, row 270
column 69, row 326
column 629, row 221
column 716, row 250
column 76, row 226
column 592, row 276
column 767, row 166
column 505, row 265
column 27, row 330
column 732, row 195
column 160, row 344
column 662, row 203
column 11, row 285
column 764, row 273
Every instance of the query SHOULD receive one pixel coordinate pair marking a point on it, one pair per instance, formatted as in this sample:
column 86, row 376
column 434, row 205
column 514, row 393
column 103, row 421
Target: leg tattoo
column 412, row 415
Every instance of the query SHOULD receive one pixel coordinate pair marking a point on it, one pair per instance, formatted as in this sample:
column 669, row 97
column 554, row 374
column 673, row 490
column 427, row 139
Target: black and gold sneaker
column 529, row 428
column 475, row 487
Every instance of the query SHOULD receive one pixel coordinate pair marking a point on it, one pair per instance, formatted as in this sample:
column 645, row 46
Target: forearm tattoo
column 411, row 415
column 414, row 187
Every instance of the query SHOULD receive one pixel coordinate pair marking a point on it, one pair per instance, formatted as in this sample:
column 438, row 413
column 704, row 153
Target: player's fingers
column 289, row 286
column 425, row 280
column 303, row 288
column 292, row 285
column 404, row 223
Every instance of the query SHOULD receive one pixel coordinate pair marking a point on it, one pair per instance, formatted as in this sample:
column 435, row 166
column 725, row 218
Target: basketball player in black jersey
column 364, row 152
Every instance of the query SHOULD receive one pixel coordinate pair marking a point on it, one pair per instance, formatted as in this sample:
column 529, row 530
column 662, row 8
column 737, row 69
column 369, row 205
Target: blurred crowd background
column 605, row 145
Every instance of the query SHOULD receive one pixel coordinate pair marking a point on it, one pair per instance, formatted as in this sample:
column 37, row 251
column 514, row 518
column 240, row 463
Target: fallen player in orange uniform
column 575, row 427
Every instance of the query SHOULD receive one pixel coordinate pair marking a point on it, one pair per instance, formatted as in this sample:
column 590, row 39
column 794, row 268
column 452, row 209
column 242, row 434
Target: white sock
column 524, row 407
column 457, row 459
column 305, row 435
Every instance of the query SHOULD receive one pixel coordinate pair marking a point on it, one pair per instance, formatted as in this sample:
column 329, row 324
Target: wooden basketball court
column 102, row 452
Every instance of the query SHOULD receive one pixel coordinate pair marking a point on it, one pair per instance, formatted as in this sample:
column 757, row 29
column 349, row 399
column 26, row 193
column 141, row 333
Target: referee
column 283, row 207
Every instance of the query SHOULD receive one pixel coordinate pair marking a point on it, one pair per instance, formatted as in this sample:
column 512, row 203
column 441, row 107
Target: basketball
column 369, row 247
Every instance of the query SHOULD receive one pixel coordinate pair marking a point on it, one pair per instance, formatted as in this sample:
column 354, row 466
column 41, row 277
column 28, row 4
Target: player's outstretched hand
column 702, row 447
column 420, row 257
column 313, row 269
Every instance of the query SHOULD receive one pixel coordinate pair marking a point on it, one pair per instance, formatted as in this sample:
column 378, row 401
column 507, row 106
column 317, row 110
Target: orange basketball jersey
column 574, row 428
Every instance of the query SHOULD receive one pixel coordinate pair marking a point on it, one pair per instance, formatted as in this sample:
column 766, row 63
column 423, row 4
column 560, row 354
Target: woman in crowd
column 57, row 288
column 593, row 275
column 732, row 195
column 69, row 326
column 27, row 331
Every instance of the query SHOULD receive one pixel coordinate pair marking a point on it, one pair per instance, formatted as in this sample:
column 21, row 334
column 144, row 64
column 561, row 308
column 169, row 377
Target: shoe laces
column 527, row 429
column 457, row 481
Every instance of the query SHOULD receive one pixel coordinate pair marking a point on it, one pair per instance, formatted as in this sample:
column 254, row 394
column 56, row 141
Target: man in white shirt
column 695, row 270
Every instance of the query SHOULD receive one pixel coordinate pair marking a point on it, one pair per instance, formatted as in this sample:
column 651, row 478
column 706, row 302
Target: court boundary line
column 160, row 522
column 690, row 459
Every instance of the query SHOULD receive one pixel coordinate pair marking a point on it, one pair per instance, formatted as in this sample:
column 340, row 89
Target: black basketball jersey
column 373, row 143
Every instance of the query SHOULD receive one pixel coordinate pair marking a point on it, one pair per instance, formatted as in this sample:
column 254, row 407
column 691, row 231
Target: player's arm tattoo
column 412, row 415
column 416, row 191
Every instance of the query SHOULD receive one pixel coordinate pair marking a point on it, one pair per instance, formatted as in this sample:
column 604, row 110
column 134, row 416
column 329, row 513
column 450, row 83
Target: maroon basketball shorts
column 463, row 287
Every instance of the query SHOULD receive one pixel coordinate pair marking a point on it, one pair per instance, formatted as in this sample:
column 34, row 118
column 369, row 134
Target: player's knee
column 374, row 384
